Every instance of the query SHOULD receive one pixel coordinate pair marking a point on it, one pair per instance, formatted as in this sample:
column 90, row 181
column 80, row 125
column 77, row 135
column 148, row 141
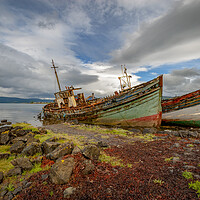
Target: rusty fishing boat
column 182, row 110
column 131, row 106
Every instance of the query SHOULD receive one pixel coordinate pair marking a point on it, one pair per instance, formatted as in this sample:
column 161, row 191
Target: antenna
column 56, row 75
column 125, row 78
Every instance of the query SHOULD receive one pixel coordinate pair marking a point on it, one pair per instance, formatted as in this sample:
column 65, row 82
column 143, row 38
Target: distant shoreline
column 27, row 102
column 23, row 100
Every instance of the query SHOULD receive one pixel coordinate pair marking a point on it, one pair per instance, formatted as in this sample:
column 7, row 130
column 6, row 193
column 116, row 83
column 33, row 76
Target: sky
column 89, row 40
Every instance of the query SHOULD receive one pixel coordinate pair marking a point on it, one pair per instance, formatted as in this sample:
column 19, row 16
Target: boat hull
column 144, row 111
column 138, row 106
column 184, row 117
column 182, row 111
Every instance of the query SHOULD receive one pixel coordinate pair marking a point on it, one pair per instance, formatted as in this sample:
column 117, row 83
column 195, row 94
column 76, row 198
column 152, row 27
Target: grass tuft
column 113, row 160
column 5, row 148
column 195, row 186
column 187, row 175
column 25, row 126
column 168, row 159
column 67, row 138
column 51, row 193
column 147, row 137
column 44, row 183
column 10, row 187
column 98, row 129
column 5, row 164
column 36, row 168
column 158, row 181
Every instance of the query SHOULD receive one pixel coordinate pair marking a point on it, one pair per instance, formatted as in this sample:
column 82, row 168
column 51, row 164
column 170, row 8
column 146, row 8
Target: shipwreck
column 182, row 110
column 130, row 107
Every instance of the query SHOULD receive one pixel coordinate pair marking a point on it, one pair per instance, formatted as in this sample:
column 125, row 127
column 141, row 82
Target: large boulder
column 32, row 139
column 12, row 136
column 62, row 150
column 1, row 177
column 88, row 168
column 15, row 171
column 28, row 138
column 36, row 160
column 102, row 144
column 23, row 163
column 32, row 148
column 76, row 150
column 61, row 171
column 91, row 152
column 48, row 147
column 5, row 122
column 5, row 128
column 4, row 137
column 13, row 133
column 17, row 139
column 55, row 139
column 17, row 128
column 17, row 147
column 20, row 132
column 68, row 192
column 42, row 130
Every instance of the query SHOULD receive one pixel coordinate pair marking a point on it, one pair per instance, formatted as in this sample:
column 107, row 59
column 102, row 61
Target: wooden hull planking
column 145, row 111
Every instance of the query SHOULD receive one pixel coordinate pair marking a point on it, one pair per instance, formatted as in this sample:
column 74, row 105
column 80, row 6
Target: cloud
column 76, row 77
column 182, row 81
column 169, row 39
column 39, row 32
column 23, row 76
column 87, row 29
column 99, row 27
column 186, row 72
column 48, row 25
column 108, row 81
column 79, row 35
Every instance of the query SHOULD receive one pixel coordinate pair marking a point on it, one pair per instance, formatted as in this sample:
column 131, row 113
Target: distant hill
column 21, row 100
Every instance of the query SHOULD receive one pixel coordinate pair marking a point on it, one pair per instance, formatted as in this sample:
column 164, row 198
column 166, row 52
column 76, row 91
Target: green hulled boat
column 130, row 107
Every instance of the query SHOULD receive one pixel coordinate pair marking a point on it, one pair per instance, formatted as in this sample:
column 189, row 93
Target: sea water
column 20, row 112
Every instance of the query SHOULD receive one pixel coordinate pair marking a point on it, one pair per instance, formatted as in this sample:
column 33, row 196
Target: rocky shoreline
column 24, row 145
column 114, row 161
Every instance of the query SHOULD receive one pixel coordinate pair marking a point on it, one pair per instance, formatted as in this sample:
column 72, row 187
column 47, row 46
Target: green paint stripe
column 191, row 123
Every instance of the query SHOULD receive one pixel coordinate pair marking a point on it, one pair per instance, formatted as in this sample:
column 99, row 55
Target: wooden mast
column 56, row 75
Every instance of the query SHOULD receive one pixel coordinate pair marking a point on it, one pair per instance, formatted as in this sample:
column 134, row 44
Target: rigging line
column 124, row 119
